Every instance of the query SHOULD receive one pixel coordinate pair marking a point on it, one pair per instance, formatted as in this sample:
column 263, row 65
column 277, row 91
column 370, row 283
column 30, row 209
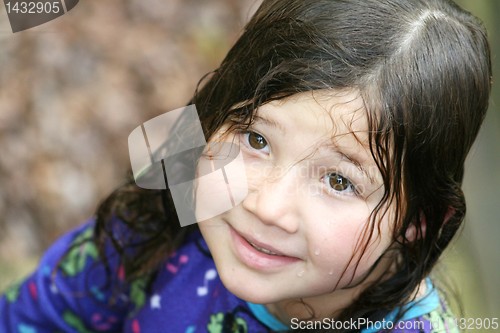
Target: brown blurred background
column 72, row 90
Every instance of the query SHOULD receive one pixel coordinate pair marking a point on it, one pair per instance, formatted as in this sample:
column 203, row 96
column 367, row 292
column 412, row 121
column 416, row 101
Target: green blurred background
column 473, row 261
column 72, row 90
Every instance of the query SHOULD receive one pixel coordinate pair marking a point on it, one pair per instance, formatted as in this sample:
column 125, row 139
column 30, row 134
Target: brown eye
column 256, row 141
column 339, row 183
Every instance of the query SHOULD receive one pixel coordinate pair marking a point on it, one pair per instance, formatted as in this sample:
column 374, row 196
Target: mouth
column 257, row 255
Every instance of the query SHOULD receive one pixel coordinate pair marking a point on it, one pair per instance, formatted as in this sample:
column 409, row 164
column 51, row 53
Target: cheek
column 211, row 196
column 215, row 233
column 221, row 183
column 333, row 252
column 335, row 246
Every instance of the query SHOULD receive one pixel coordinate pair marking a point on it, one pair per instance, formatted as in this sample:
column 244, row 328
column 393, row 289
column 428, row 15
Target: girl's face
column 312, row 184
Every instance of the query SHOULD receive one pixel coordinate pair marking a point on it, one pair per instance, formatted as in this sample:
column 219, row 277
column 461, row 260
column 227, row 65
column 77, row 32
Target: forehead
column 333, row 117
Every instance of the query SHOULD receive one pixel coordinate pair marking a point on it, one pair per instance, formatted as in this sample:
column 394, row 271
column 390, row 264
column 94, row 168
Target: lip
column 256, row 259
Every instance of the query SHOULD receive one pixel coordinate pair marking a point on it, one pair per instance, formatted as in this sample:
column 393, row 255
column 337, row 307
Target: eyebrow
column 351, row 158
column 360, row 167
column 269, row 122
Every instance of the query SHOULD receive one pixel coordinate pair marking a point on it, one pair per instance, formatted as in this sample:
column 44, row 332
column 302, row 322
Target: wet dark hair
column 423, row 70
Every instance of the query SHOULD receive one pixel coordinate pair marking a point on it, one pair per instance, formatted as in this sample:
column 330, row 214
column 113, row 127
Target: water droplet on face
column 317, row 252
column 300, row 274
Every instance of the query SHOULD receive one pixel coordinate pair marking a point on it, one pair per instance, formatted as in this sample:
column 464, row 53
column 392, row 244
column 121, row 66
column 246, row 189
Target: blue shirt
column 77, row 295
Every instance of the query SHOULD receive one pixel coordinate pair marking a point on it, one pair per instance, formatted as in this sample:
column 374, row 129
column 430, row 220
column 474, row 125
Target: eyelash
column 352, row 188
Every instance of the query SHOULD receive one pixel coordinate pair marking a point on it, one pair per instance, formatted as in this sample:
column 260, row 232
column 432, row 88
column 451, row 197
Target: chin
column 245, row 289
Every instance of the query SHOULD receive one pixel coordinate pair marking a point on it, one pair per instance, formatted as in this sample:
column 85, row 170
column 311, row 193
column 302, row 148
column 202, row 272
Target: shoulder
column 66, row 291
column 439, row 320
column 188, row 296
column 429, row 314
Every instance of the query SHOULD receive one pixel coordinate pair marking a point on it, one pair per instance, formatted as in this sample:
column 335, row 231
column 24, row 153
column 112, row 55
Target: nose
column 273, row 199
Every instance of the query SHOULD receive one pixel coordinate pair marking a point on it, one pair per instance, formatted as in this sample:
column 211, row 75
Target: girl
column 353, row 119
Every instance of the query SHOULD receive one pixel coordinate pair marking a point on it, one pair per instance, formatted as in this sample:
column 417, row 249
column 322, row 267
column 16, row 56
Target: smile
column 259, row 256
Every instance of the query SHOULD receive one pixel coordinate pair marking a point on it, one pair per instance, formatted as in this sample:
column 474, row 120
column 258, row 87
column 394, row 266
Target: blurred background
column 73, row 89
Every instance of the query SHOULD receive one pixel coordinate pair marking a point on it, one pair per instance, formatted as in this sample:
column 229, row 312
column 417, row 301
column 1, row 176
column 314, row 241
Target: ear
column 449, row 214
column 412, row 234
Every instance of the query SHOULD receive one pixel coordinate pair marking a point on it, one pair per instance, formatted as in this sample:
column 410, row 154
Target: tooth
column 266, row 251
